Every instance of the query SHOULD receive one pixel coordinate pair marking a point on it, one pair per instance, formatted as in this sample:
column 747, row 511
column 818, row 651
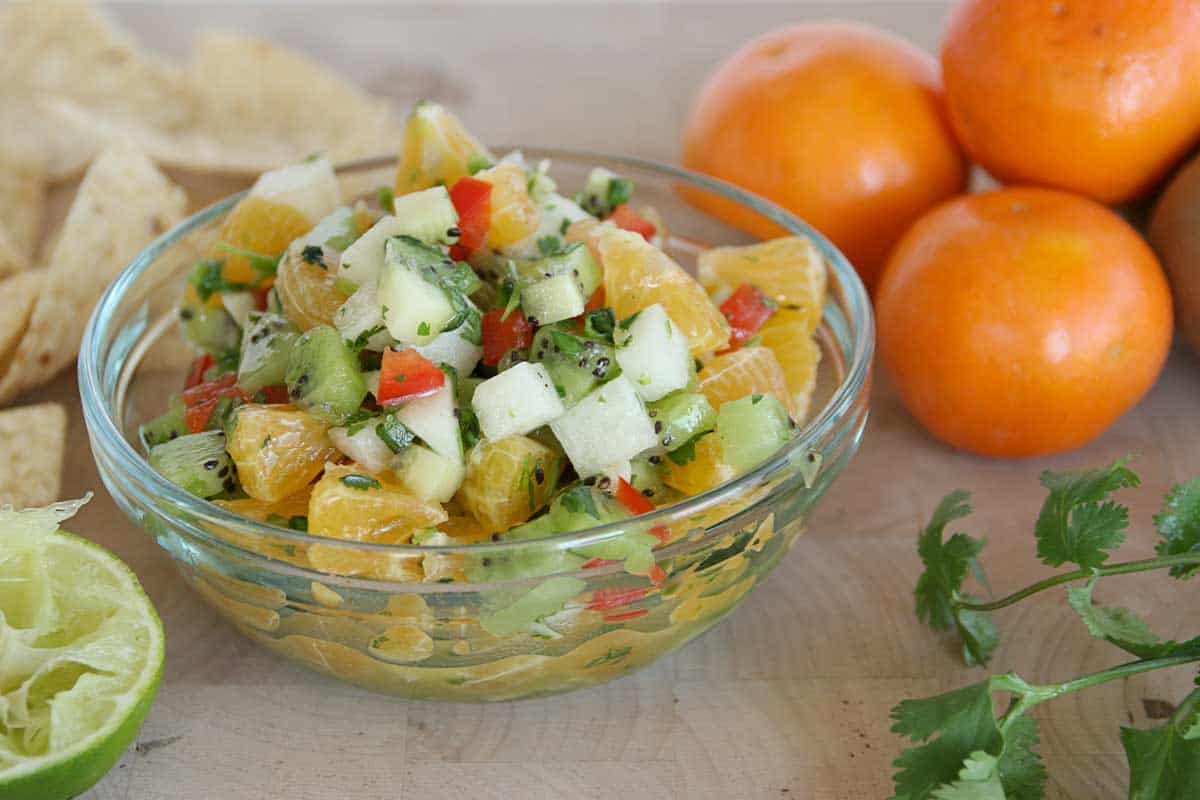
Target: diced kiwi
column 575, row 261
column 680, row 417
column 165, row 427
column 604, row 191
column 576, row 364
column 530, row 561
column 752, row 429
column 544, row 600
column 197, row 463
column 266, row 349
column 212, row 329
column 647, row 477
column 323, row 376
column 584, row 506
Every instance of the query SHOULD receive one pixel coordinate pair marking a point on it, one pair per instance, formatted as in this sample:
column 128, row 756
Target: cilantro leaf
column 1123, row 628
column 979, row 779
column 946, row 562
column 979, row 634
column 1075, row 524
column 261, row 263
column 1179, row 525
column 549, row 245
column 1022, row 772
column 1164, row 762
column 966, row 723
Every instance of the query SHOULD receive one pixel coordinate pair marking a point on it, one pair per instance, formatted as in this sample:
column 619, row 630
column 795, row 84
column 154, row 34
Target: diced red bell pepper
column 472, row 200
column 608, row 599
column 633, row 500
column 592, row 563
column 260, row 295
column 196, row 373
column 200, row 400
column 275, row 395
column 657, row 575
column 625, row 217
column 501, row 334
column 624, row 616
column 596, row 301
column 406, row 374
column 224, row 386
column 746, row 309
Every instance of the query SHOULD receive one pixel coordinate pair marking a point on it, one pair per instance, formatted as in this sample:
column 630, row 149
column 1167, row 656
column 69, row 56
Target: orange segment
column 278, row 450
column 706, row 470
column 790, row 271
column 308, row 293
column 367, row 508
column 750, row 370
column 637, row 274
column 262, row 226
column 514, row 215
column 502, row 487
column 789, row 335
column 436, row 149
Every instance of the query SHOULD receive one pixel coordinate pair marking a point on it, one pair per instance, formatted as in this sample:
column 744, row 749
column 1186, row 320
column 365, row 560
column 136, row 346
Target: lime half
column 81, row 654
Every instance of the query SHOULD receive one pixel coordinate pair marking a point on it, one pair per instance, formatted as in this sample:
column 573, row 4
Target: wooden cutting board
column 787, row 698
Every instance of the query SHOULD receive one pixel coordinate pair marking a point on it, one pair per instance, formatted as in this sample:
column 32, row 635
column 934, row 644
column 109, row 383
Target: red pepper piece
column 501, row 334
column 406, row 374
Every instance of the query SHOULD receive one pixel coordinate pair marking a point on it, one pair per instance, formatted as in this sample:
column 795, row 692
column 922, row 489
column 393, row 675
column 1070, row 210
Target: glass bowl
column 399, row 618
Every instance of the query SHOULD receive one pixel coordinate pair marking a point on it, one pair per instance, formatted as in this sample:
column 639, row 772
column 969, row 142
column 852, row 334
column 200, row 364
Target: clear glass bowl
column 388, row 617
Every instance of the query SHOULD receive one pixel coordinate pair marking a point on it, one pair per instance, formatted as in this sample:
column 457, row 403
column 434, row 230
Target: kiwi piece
column 323, row 376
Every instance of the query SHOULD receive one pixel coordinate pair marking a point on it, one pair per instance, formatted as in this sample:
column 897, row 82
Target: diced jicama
column 607, row 427
column 434, row 420
column 516, row 401
column 653, row 353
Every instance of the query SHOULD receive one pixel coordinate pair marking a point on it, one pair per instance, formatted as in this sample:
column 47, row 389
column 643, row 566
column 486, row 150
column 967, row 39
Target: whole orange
column 841, row 124
column 1099, row 97
column 1022, row 321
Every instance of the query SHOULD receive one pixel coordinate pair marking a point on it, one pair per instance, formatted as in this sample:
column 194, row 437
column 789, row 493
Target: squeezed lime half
column 81, row 654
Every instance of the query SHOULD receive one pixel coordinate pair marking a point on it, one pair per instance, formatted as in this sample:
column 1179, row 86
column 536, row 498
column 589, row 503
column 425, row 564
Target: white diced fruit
column 310, row 187
column 433, row 419
column 362, row 262
column 454, row 348
column 516, row 401
column 428, row 215
column 414, row 310
column 552, row 300
column 557, row 213
column 429, row 475
column 363, row 446
column 653, row 354
column 608, row 426
column 360, row 316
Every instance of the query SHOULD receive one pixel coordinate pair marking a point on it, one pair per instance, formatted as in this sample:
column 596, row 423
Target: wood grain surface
column 788, row 698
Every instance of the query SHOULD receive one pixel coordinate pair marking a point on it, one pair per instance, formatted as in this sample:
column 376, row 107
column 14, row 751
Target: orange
column 637, row 274
column 706, row 470
column 278, row 450
column 788, row 334
column 436, row 149
column 1022, row 321
column 789, row 270
column 841, row 124
column 502, row 487
column 261, row 226
column 1098, row 97
column 513, row 214
column 750, row 370
column 350, row 503
column 310, row 295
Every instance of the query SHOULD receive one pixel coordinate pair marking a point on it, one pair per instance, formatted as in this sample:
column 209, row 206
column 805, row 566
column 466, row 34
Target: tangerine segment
column 260, row 226
column 706, row 470
column 349, row 503
column 278, row 450
column 309, row 295
column 436, row 149
column 788, row 334
column 637, row 274
column 514, row 215
column 508, row 480
column 750, row 370
column 790, row 271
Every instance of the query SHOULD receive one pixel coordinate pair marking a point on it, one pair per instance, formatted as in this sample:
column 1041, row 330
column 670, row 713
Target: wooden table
column 788, row 698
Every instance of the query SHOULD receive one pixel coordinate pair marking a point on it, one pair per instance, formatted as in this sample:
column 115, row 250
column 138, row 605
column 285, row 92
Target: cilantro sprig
column 966, row 750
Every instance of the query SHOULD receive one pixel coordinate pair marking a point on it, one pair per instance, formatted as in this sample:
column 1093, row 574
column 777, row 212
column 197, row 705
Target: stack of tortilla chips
column 82, row 99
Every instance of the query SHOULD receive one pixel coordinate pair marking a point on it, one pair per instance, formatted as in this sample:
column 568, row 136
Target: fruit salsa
column 474, row 355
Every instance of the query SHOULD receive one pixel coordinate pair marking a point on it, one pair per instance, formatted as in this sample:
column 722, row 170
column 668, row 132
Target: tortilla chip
column 18, row 295
column 70, row 52
column 32, row 440
column 22, row 199
column 257, row 106
column 123, row 203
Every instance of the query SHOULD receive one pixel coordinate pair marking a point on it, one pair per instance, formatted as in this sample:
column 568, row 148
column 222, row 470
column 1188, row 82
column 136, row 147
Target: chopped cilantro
column 620, row 190
column 298, row 523
column 423, row 329
column 613, row 655
column 386, row 198
column 549, row 245
column 599, row 324
column 394, row 433
column 361, row 482
column 562, row 227
column 363, row 338
column 262, row 264
column 686, row 452
column 477, row 162
column 312, row 254
column 207, row 279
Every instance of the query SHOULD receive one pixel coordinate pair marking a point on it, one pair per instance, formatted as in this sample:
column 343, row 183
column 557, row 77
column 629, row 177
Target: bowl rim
column 106, row 435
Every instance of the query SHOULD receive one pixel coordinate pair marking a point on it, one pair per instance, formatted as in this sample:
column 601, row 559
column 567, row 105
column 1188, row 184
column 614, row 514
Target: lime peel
column 81, row 654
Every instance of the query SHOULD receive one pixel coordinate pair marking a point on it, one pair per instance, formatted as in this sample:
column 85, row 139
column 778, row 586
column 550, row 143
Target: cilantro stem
column 1028, row 695
column 1124, row 568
